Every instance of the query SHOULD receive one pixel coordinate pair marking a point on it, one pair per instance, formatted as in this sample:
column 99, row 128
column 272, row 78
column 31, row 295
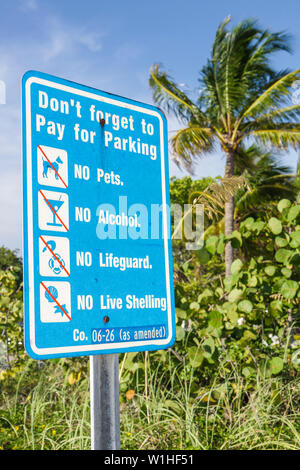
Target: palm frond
column 217, row 194
column 214, row 198
column 245, row 158
column 279, row 138
column 270, row 180
column 266, row 44
column 169, row 96
column 273, row 96
column 190, row 142
column 239, row 69
column 279, row 115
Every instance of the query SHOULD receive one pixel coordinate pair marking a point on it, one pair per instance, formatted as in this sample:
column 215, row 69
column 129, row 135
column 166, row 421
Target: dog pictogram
column 51, row 166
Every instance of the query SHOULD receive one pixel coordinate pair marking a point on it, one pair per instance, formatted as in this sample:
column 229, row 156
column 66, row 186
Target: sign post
column 105, row 408
column 98, row 277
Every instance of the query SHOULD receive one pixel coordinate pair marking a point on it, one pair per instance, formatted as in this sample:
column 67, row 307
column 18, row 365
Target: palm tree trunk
column 229, row 214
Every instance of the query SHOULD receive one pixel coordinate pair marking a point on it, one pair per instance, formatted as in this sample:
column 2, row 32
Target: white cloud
column 63, row 38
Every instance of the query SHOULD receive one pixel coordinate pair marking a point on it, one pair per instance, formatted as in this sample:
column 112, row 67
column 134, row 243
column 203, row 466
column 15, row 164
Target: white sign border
column 96, row 347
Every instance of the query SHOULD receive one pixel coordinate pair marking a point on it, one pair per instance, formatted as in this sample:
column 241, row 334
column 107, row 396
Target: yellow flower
column 129, row 394
column 53, row 432
column 73, row 377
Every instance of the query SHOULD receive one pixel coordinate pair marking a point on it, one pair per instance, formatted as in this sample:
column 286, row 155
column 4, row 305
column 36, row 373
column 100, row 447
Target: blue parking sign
column 98, row 276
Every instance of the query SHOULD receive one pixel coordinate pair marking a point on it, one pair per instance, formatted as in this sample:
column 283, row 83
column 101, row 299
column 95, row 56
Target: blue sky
column 111, row 45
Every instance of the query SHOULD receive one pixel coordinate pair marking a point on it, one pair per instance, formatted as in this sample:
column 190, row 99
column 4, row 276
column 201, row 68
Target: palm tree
column 242, row 100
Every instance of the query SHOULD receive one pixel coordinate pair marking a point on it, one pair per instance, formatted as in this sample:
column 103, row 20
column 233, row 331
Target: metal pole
column 105, row 408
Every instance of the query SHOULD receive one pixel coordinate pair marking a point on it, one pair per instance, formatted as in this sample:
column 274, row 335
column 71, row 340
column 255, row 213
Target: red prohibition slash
column 62, row 309
column 40, row 148
column 52, row 252
column 53, row 210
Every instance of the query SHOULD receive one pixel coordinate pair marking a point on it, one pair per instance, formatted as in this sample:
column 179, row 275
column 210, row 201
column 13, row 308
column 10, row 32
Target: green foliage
column 11, row 317
column 9, row 258
column 183, row 190
column 251, row 317
column 270, row 181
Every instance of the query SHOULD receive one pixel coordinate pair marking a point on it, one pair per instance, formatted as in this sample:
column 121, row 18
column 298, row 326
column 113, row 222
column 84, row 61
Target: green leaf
column 194, row 306
column 293, row 213
column 229, row 282
column 215, row 319
column 236, row 266
column 211, row 244
column 295, row 259
column 221, row 246
column 233, row 317
column 286, row 272
column 276, row 305
column 203, row 256
column 275, row 225
column 258, row 226
column 289, row 289
column 283, row 204
column 276, row 365
column 245, row 306
column 195, row 356
column 235, row 295
column 252, row 282
column 180, row 313
column 4, row 301
column 283, row 255
column 185, row 266
column 208, row 347
column 205, row 294
column 281, row 241
column 235, row 238
column 270, row 270
column 180, row 333
column 248, row 223
column 249, row 335
column 295, row 236
column 229, row 307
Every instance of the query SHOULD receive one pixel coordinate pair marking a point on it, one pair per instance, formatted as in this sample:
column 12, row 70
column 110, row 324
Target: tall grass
column 44, row 410
column 229, row 414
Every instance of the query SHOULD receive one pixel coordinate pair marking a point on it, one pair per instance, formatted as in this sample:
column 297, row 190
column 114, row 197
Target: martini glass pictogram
column 55, row 205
